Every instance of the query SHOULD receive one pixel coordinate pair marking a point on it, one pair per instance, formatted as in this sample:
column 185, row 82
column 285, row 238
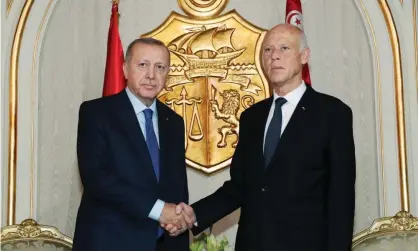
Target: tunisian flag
column 114, row 80
column 294, row 16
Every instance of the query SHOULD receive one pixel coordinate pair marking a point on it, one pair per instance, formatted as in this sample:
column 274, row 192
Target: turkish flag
column 294, row 16
column 114, row 80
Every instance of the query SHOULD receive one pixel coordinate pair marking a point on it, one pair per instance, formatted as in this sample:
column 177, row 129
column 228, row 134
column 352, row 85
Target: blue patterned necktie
column 153, row 149
column 152, row 142
column 273, row 132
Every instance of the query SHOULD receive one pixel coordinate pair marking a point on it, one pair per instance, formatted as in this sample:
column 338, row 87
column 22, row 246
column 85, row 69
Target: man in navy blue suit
column 131, row 158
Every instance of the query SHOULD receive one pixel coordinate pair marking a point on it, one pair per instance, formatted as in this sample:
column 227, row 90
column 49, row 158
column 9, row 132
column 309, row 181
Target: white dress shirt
column 288, row 108
column 139, row 108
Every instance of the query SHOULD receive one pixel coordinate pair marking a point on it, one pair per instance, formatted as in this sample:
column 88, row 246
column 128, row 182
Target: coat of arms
column 215, row 75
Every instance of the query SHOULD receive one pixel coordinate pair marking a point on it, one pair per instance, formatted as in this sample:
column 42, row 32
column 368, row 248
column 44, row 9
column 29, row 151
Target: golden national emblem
column 215, row 74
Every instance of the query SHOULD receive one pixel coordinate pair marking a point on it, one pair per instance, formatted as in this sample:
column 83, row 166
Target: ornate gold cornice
column 29, row 228
column 402, row 221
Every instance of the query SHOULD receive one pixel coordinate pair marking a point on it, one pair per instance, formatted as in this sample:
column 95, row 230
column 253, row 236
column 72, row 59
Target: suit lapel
column 127, row 120
column 259, row 130
column 296, row 123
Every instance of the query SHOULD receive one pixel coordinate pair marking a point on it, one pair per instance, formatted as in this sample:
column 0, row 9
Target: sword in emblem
column 213, row 92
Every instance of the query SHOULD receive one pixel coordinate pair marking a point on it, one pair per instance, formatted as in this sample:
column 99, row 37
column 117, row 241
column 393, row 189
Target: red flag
column 114, row 80
column 294, row 16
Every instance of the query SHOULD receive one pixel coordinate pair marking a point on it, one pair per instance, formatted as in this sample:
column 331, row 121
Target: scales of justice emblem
column 215, row 74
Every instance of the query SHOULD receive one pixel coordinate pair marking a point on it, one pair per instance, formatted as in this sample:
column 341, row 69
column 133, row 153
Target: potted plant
column 208, row 242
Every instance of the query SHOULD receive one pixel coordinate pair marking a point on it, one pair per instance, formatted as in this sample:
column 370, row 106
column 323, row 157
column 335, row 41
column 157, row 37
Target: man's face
column 146, row 71
column 281, row 55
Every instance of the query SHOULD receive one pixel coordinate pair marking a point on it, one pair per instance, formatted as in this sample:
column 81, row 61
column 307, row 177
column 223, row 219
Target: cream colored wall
column 61, row 64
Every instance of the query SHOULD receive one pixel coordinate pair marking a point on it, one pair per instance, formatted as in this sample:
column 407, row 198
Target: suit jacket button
column 264, row 189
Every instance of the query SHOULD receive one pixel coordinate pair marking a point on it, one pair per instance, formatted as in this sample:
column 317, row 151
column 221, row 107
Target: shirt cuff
column 156, row 210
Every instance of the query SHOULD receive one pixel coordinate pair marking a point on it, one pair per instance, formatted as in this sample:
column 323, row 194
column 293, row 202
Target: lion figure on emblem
column 229, row 114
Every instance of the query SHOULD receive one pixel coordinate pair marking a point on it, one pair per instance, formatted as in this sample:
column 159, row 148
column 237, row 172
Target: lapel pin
column 303, row 108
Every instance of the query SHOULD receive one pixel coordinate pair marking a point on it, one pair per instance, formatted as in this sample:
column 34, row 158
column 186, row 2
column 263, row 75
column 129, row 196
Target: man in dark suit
column 131, row 158
column 293, row 171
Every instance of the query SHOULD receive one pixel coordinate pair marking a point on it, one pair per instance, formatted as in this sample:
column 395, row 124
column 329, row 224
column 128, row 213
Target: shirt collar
column 138, row 105
column 294, row 96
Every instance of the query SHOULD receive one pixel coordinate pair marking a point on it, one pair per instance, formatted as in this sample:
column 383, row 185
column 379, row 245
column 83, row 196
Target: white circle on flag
column 295, row 18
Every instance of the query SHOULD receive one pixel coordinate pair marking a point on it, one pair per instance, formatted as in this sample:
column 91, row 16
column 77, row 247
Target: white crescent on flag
column 295, row 17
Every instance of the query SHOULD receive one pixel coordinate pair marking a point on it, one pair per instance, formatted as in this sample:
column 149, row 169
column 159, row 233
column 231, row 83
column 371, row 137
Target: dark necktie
column 152, row 142
column 153, row 149
column 273, row 131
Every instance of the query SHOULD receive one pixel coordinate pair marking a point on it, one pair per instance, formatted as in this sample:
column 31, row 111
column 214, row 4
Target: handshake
column 176, row 219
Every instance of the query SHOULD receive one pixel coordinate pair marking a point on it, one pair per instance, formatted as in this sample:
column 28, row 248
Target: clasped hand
column 177, row 218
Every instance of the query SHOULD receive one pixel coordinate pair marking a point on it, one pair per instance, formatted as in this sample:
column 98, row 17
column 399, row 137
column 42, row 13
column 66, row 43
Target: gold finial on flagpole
column 117, row 3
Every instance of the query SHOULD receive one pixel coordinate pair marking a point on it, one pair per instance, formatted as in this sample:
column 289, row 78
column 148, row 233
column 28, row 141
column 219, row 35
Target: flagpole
column 114, row 79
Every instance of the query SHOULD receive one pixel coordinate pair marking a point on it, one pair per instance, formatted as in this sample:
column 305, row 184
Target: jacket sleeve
column 341, row 194
column 229, row 197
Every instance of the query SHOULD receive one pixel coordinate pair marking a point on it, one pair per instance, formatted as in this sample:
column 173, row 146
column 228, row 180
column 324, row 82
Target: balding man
column 293, row 171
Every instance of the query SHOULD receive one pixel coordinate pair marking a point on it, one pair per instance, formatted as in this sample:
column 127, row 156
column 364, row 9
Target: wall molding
column 23, row 69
